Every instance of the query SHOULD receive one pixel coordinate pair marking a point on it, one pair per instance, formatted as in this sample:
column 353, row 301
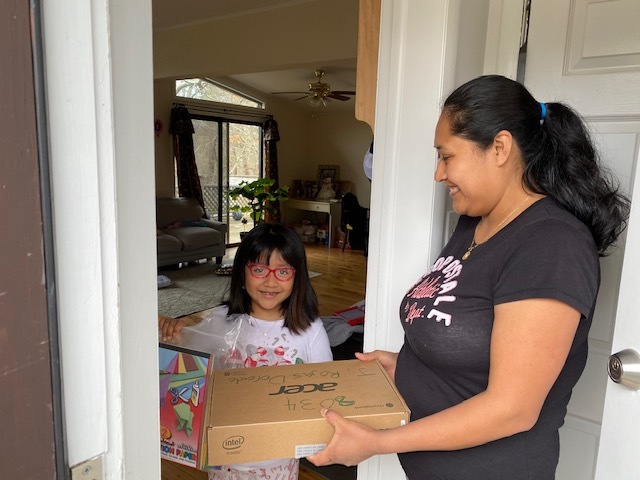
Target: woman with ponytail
column 496, row 329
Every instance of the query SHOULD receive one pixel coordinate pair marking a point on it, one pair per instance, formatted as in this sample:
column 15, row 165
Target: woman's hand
column 351, row 444
column 388, row 360
column 170, row 328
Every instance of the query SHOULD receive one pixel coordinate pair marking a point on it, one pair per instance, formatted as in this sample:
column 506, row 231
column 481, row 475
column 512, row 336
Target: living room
column 298, row 39
column 309, row 137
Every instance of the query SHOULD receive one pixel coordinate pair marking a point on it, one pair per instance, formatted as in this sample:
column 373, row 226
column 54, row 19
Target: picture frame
column 297, row 189
column 310, row 189
column 328, row 171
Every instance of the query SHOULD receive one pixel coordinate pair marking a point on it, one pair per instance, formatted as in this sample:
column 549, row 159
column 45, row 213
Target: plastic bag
column 220, row 335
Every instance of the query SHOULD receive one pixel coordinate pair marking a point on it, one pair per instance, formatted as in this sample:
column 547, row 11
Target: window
column 227, row 143
column 209, row 90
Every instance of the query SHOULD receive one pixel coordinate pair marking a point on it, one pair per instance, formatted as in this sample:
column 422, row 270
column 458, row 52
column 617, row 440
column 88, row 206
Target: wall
column 310, row 33
column 341, row 140
column 472, row 34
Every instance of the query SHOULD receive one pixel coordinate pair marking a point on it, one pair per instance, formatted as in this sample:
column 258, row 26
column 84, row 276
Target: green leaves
column 260, row 197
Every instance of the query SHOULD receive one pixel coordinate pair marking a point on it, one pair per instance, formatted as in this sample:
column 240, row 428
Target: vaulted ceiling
column 269, row 45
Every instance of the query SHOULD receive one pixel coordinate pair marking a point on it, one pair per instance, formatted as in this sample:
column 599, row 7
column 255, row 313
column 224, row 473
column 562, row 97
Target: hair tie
column 543, row 112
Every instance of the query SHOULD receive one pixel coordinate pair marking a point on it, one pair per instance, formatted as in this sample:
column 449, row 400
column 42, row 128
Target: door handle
column 624, row 368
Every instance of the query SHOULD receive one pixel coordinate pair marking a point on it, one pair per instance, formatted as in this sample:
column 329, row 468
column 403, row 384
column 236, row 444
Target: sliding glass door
column 227, row 152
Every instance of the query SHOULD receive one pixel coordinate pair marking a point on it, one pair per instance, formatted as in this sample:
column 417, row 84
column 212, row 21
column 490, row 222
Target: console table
column 331, row 209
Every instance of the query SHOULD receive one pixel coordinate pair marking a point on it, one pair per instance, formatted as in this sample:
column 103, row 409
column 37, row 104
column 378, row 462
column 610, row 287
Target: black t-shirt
column 448, row 316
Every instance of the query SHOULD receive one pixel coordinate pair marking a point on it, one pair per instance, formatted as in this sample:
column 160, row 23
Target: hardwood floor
column 343, row 278
column 340, row 285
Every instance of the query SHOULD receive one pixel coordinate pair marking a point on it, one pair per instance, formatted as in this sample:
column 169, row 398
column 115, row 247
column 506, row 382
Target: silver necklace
column 473, row 240
column 273, row 324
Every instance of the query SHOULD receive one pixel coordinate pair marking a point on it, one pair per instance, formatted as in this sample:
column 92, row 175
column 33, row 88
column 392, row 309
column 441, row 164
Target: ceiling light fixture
column 316, row 101
column 320, row 93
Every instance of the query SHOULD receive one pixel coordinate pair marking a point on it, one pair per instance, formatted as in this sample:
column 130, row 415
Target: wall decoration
column 158, row 127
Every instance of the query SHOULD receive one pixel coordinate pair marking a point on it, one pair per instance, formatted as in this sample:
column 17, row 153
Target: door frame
column 406, row 227
column 100, row 77
column 408, row 208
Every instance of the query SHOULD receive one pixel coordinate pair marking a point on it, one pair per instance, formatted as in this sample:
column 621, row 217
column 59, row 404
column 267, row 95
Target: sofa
column 184, row 235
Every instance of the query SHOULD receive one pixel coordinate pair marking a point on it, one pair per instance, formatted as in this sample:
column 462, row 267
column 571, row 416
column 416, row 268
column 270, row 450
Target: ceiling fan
column 320, row 93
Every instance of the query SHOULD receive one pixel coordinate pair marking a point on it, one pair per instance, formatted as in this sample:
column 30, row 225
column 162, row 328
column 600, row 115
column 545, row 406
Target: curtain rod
column 216, row 109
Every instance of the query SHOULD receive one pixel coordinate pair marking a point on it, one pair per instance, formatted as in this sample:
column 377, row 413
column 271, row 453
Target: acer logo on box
column 232, row 443
column 306, row 388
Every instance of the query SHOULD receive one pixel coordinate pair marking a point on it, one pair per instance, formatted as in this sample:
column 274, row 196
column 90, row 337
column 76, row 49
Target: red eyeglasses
column 282, row 274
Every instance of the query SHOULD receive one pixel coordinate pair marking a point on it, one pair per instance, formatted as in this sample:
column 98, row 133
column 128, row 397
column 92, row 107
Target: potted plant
column 260, row 197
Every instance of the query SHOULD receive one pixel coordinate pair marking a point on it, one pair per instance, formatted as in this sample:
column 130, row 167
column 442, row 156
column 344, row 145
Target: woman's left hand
column 351, row 444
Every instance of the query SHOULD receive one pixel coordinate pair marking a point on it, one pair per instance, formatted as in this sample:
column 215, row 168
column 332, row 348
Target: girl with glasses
column 270, row 283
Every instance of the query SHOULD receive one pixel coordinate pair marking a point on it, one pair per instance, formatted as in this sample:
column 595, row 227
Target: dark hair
column 559, row 157
column 301, row 308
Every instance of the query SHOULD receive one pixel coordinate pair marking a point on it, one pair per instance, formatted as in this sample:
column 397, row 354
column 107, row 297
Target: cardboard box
column 185, row 388
column 274, row 412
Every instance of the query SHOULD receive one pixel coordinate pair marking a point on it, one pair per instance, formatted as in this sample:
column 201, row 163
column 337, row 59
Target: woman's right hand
column 170, row 328
column 388, row 360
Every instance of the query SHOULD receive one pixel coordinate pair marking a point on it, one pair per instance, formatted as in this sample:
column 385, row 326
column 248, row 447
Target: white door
column 587, row 53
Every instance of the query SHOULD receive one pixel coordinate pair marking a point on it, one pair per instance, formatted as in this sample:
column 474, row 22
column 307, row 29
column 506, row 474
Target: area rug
column 194, row 288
